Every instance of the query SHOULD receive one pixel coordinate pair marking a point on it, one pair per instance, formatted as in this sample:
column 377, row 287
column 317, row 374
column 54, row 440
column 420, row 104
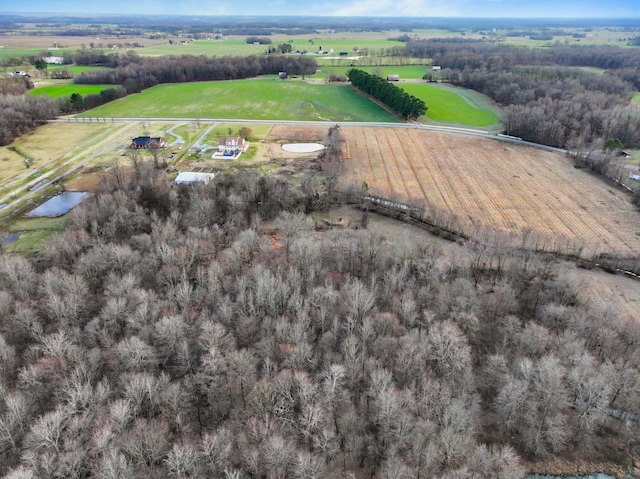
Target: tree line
column 136, row 73
column 214, row 331
column 398, row 100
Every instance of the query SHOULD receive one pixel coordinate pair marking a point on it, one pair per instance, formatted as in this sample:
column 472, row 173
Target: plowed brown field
column 488, row 183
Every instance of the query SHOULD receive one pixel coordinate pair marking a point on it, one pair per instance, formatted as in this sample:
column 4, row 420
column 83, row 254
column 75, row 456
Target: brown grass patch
column 45, row 146
column 487, row 183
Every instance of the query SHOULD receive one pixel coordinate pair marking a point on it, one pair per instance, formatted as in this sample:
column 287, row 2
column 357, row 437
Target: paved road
column 448, row 129
column 76, row 162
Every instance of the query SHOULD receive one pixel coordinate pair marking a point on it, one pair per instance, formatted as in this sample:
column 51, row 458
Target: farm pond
column 302, row 147
column 59, row 205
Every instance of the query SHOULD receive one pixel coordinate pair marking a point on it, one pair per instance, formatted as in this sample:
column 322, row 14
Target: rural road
column 213, row 121
column 79, row 156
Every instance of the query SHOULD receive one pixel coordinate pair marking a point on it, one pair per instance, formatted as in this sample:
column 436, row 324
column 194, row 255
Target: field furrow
column 489, row 183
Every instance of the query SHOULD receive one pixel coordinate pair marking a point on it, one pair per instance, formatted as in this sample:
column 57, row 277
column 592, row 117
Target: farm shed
column 191, row 177
column 436, row 68
column 393, row 77
column 53, row 60
column 147, row 142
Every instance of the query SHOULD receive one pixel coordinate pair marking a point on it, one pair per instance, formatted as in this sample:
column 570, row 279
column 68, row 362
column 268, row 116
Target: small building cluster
column 147, row 142
column 53, row 60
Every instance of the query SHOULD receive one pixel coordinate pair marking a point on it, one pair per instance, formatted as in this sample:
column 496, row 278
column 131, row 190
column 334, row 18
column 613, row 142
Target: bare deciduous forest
column 215, row 332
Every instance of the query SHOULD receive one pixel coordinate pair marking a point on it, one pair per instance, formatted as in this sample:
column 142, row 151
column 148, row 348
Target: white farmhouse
column 232, row 145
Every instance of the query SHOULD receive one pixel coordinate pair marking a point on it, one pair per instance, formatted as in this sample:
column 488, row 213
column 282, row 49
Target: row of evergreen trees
column 395, row 98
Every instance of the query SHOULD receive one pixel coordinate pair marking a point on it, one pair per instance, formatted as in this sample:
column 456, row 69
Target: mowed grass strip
column 406, row 72
column 266, row 99
column 62, row 91
column 454, row 106
column 76, row 69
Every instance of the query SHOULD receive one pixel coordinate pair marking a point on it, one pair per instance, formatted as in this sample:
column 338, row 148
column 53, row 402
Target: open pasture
column 455, row 106
column 488, row 183
column 75, row 69
column 236, row 45
column 266, row 99
column 66, row 90
column 233, row 46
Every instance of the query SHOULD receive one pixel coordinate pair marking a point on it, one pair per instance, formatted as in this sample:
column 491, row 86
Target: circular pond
column 302, row 147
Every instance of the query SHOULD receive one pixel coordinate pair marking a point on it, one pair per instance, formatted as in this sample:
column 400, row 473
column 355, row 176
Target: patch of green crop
column 454, row 105
column 260, row 99
column 63, row 91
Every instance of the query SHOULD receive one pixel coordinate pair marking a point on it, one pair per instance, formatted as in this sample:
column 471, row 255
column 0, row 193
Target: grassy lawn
column 75, row 69
column 452, row 105
column 265, row 99
column 46, row 144
column 222, row 130
column 33, row 233
column 636, row 97
column 62, row 91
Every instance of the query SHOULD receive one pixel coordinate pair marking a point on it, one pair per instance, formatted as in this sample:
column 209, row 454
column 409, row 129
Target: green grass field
column 21, row 52
column 456, row 106
column 636, row 97
column 75, row 69
column 63, row 91
column 266, row 99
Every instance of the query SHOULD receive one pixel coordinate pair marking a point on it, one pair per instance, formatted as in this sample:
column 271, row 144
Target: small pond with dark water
column 60, row 204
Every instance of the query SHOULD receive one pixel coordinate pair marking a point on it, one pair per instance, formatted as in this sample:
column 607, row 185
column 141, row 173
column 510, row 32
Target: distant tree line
column 395, row 98
column 137, row 73
column 548, row 99
column 260, row 40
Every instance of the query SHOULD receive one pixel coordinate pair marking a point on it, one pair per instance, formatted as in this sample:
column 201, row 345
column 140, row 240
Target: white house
column 232, row 145
column 54, row 60
column 192, row 177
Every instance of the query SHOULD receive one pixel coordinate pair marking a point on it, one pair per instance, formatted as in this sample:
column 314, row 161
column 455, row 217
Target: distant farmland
column 238, row 46
column 265, row 99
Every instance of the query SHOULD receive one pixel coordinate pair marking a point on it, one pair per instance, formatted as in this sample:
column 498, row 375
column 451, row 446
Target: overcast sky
column 414, row 8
